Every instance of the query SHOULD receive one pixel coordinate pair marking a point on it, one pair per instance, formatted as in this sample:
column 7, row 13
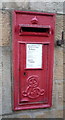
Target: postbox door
column 33, row 51
column 33, row 72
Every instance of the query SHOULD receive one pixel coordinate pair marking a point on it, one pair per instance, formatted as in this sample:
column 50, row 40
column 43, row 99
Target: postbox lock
column 24, row 73
column 34, row 20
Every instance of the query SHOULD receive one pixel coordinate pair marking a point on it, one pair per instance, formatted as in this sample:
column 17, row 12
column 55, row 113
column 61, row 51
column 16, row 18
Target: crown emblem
column 34, row 20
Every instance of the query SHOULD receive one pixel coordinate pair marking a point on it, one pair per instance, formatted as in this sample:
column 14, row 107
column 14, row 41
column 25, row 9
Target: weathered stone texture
column 0, row 28
column 64, row 56
column 57, row 95
column 6, row 28
column 24, row 4
column 0, row 64
column 64, row 94
column 64, row 61
column 6, row 81
column 64, row 71
column 0, row 81
column 51, row 114
column 59, row 114
column 16, row 116
column 58, row 63
column 56, row 7
column 48, row 113
column 59, row 27
column 58, row 58
column 0, row 5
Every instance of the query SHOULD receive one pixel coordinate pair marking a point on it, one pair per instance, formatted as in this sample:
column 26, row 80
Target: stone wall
column 56, row 111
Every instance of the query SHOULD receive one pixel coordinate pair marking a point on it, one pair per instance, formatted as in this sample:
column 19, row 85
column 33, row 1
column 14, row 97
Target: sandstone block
column 58, row 64
column 46, row 114
column 57, row 95
column 59, row 113
column 51, row 114
column 0, row 81
column 59, row 27
column 6, row 28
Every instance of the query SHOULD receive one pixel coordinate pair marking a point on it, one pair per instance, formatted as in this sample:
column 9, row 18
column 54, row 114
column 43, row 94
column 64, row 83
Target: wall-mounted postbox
column 33, row 51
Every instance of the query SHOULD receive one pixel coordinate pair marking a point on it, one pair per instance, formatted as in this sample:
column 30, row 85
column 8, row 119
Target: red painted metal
column 32, row 86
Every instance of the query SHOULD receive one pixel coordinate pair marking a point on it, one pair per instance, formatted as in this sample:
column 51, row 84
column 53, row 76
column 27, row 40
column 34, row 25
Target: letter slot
column 34, row 29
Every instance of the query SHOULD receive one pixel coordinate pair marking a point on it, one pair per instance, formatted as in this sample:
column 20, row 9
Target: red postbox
column 33, row 56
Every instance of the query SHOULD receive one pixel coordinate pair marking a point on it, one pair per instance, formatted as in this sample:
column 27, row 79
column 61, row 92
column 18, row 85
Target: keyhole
column 24, row 73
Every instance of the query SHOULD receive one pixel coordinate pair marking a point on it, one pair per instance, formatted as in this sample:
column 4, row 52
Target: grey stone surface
column 0, row 81
column 0, row 117
column 55, row 7
column 0, row 5
column 39, row 113
column 64, row 6
column 16, row 5
column 6, row 81
column 0, row 28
